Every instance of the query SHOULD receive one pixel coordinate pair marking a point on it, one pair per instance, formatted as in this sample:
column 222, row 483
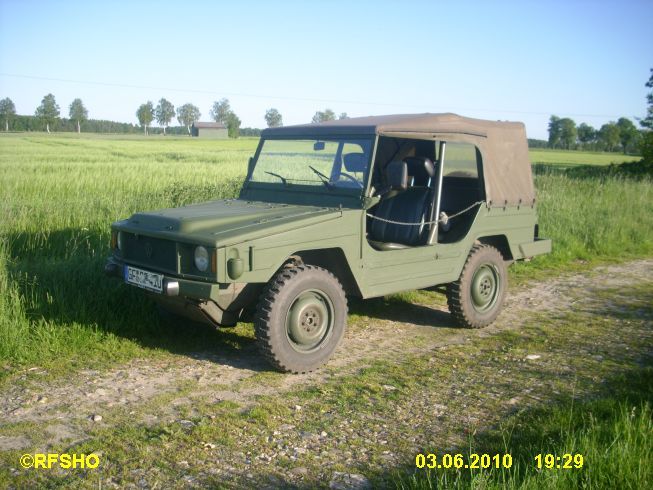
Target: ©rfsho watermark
column 64, row 461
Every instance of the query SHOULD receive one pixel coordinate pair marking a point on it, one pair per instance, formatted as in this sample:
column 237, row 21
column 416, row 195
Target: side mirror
column 318, row 146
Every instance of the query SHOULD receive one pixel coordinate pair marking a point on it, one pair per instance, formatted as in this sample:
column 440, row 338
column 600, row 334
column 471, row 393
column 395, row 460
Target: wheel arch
column 332, row 259
column 500, row 242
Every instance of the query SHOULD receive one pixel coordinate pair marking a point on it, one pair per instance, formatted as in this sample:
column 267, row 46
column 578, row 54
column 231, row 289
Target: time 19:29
column 566, row 461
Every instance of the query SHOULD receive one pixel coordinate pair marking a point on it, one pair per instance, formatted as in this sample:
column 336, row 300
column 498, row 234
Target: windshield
column 332, row 163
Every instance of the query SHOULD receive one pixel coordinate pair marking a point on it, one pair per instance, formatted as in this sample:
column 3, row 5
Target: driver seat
column 411, row 202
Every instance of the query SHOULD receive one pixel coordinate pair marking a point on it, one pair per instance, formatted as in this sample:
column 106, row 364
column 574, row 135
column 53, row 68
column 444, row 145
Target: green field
column 60, row 193
column 574, row 158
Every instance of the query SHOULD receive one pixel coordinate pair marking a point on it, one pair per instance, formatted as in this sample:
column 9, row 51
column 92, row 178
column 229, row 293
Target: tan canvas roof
column 503, row 145
column 425, row 122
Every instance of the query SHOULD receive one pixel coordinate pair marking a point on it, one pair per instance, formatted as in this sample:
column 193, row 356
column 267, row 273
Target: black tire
column 301, row 318
column 476, row 298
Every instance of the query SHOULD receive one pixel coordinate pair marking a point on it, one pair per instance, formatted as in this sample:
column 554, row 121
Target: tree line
column 621, row 135
column 48, row 116
column 188, row 114
column 47, row 113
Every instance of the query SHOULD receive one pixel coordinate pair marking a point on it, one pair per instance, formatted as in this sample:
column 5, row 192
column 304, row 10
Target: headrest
column 354, row 162
column 421, row 169
column 396, row 175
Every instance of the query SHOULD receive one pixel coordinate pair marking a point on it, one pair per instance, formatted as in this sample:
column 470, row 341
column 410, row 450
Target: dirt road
column 176, row 389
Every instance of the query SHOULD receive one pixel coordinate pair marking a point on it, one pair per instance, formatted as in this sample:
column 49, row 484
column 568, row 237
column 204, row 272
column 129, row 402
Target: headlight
column 201, row 259
column 120, row 240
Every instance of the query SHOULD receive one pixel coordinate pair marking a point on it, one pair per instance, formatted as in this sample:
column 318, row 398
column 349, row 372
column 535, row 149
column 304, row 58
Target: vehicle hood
column 226, row 221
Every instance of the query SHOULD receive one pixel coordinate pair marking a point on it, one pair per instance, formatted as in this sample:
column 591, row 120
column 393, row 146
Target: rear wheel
column 476, row 298
column 301, row 318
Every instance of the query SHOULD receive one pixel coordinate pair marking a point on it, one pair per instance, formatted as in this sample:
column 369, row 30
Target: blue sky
column 521, row 60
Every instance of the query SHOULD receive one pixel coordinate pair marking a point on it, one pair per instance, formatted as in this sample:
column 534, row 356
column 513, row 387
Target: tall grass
column 594, row 219
column 59, row 195
column 57, row 199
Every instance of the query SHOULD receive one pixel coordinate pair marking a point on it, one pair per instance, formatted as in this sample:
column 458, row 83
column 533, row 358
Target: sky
column 500, row 60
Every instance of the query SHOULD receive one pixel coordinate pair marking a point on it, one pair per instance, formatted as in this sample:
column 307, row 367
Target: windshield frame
column 347, row 196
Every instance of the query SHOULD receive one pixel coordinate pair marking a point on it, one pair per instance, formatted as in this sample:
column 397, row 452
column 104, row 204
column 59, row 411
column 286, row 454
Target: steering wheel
column 352, row 178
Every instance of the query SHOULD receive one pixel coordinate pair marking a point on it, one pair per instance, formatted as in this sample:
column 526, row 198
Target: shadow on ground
column 61, row 278
column 399, row 310
column 66, row 288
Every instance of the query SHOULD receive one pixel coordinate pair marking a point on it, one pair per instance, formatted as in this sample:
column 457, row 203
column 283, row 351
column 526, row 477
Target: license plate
column 144, row 279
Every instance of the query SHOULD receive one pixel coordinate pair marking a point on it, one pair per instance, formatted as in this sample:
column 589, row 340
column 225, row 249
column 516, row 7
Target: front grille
column 154, row 252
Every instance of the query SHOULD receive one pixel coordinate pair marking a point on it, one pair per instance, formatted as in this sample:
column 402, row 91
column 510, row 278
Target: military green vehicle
column 360, row 207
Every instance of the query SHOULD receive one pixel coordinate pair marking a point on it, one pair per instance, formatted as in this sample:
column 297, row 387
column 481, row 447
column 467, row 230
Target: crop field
column 573, row 158
column 59, row 315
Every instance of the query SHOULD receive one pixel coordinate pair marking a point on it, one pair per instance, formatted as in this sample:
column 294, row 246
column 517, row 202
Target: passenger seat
column 412, row 181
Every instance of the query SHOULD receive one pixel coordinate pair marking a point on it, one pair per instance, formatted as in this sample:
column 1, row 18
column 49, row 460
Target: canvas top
column 503, row 145
column 426, row 122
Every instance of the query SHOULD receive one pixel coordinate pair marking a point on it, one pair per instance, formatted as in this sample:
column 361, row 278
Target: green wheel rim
column 485, row 287
column 309, row 321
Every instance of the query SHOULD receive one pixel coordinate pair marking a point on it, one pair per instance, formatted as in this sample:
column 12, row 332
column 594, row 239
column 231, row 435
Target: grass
column 592, row 220
column 611, row 428
column 59, row 195
column 61, row 192
column 611, row 433
column 608, row 422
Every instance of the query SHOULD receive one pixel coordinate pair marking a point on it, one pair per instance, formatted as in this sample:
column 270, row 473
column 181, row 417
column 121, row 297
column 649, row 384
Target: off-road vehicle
column 360, row 207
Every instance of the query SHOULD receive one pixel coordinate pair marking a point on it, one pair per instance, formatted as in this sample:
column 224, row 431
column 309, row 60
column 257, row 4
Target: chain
column 426, row 222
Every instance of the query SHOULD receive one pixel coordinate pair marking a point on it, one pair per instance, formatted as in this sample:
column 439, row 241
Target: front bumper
column 174, row 286
column 221, row 304
column 115, row 269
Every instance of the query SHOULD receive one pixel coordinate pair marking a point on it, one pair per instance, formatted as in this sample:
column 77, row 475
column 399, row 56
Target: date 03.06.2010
column 485, row 461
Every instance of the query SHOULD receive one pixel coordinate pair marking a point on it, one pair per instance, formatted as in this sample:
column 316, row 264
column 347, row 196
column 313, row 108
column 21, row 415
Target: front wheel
column 476, row 298
column 301, row 318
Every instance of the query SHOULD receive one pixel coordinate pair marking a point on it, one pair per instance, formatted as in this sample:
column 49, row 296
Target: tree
column 78, row 113
column 233, row 125
column 220, row 111
column 554, row 131
column 327, row 115
column 164, row 113
column 145, row 114
column 48, row 111
column 646, row 146
column 273, row 118
column 568, row 133
column 628, row 133
column 7, row 111
column 188, row 114
column 586, row 133
column 609, row 135
column 646, row 143
column 343, row 115
column 647, row 122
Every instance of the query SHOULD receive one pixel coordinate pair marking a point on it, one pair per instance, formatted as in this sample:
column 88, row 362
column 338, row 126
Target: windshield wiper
column 325, row 180
column 283, row 179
